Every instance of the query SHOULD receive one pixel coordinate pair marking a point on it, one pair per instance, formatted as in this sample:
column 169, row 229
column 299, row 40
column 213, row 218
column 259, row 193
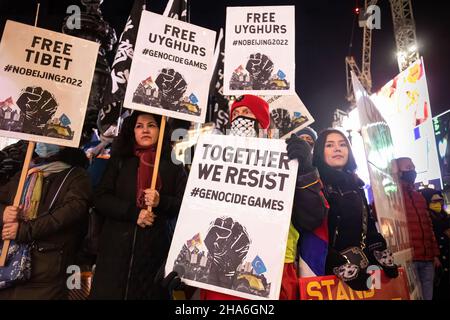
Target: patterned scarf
column 145, row 173
column 244, row 127
column 32, row 191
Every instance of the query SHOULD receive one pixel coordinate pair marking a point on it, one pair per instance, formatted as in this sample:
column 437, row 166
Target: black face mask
column 408, row 176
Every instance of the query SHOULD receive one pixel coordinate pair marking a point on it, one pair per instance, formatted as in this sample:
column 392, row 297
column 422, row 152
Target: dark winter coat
column 115, row 199
column 347, row 201
column 56, row 235
column 420, row 228
column 310, row 206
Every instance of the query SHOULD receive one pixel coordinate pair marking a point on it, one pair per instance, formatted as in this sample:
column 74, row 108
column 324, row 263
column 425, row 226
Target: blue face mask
column 45, row 150
column 409, row 176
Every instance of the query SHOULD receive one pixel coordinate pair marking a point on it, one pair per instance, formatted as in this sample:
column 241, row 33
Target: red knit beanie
column 258, row 106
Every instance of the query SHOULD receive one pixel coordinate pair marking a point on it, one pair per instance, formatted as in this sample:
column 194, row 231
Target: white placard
column 45, row 81
column 171, row 69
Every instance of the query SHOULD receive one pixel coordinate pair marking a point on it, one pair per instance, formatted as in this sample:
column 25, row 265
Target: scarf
column 244, row 127
column 145, row 173
column 338, row 178
column 32, row 191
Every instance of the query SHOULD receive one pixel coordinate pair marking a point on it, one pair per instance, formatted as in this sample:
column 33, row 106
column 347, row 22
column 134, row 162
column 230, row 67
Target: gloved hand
column 166, row 284
column 379, row 254
column 300, row 149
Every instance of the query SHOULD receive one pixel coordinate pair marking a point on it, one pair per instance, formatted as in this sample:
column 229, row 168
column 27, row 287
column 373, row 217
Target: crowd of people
column 62, row 197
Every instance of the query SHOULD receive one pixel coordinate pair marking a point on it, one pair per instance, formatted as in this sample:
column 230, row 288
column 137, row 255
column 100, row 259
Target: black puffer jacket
column 116, row 200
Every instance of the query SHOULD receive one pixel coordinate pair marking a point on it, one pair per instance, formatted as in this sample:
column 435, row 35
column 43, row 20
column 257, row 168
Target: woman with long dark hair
column 135, row 241
column 355, row 242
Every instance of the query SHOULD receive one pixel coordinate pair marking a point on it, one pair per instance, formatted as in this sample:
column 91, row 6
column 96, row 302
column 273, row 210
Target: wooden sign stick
column 162, row 127
column 23, row 174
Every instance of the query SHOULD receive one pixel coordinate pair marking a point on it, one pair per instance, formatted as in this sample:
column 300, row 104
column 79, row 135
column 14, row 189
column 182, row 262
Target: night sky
column 323, row 32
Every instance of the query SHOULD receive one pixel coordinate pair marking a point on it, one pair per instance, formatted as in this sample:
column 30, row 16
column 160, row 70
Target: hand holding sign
column 300, row 149
column 260, row 68
column 151, row 197
column 172, row 85
column 10, row 214
column 9, row 231
column 145, row 218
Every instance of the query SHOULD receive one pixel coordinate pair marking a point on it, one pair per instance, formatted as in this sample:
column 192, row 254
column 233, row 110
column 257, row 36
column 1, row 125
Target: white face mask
column 244, row 127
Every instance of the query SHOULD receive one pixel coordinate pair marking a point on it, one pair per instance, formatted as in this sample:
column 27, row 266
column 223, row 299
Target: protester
column 309, row 210
column 420, row 229
column 135, row 241
column 312, row 246
column 250, row 118
column 355, row 242
column 51, row 218
column 441, row 227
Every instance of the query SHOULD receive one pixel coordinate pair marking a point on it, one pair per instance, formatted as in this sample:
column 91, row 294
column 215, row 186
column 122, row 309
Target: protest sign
column 260, row 50
column 289, row 114
column 171, row 69
column 45, row 81
column 233, row 224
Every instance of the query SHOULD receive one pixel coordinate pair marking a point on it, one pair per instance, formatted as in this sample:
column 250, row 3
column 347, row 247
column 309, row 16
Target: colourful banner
column 331, row 288
column 405, row 104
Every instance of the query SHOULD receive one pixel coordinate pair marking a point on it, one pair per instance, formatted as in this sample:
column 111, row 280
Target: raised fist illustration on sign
column 282, row 120
column 38, row 107
column 260, row 68
column 228, row 243
column 172, row 86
